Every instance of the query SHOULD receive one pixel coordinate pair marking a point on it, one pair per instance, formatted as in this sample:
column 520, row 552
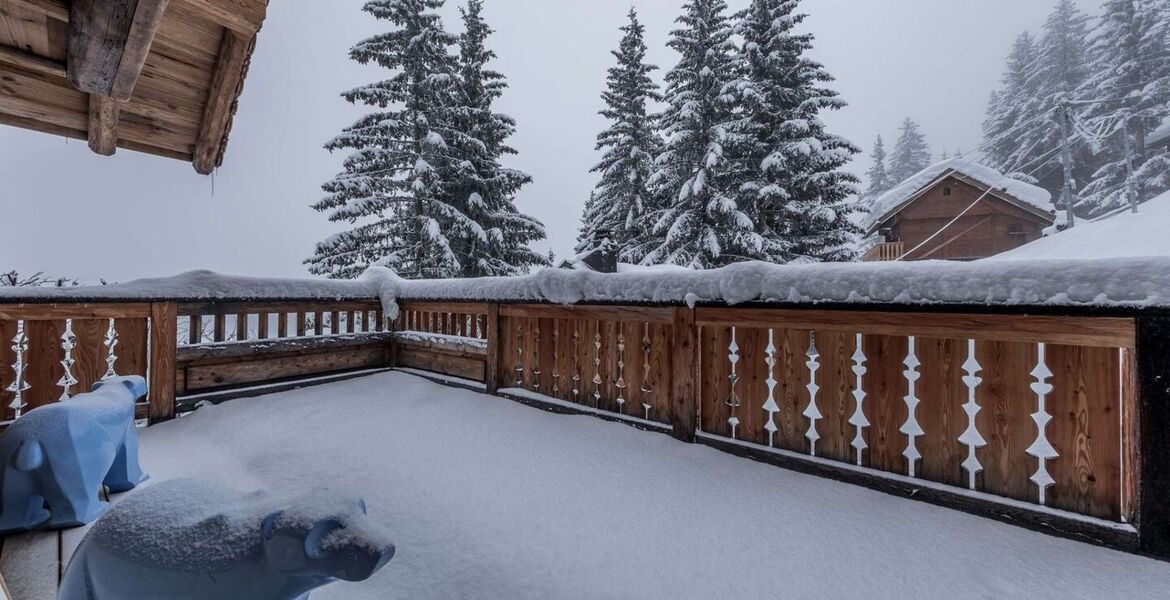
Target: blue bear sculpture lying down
column 57, row 457
column 192, row 540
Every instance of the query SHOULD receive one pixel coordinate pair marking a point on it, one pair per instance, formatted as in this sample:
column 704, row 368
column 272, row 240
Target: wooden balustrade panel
column 835, row 400
column 648, row 373
column 7, row 359
column 942, row 394
column 792, row 390
column 132, row 347
column 1085, row 404
column 89, row 352
column 715, row 388
column 885, row 402
column 1007, row 403
column 43, row 367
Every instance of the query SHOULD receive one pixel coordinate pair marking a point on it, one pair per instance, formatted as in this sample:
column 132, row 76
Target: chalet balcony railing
column 885, row 252
column 1032, row 416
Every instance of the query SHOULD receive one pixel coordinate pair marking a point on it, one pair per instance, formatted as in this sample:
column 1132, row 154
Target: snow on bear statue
column 56, row 458
column 193, row 540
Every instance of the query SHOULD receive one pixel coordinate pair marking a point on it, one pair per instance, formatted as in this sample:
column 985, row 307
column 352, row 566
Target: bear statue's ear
column 317, row 535
column 268, row 528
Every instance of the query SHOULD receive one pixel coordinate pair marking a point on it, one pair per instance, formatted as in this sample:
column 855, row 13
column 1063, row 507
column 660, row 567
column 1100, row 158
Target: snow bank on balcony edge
column 1132, row 282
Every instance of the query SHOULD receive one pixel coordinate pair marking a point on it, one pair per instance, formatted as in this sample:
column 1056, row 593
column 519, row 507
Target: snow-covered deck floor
column 491, row 499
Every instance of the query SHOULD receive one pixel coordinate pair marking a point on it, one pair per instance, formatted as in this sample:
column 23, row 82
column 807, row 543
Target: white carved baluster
column 733, row 400
column 67, row 380
column 770, row 405
column 621, row 365
column 536, row 358
column 912, row 428
column 520, row 357
column 19, row 386
column 556, row 342
column 597, row 381
column 647, row 390
column 858, row 420
column 576, row 360
column 1042, row 449
column 971, row 437
column 111, row 351
column 812, row 412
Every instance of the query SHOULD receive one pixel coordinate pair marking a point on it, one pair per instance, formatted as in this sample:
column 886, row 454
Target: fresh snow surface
column 1122, row 235
column 485, row 498
column 893, row 199
column 1132, row 282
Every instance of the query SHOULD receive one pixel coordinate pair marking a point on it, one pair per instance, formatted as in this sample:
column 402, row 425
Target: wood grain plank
column 1005, row 421
column 885, row 405
column 942, row 394
column 836, row 402
column 43, row 367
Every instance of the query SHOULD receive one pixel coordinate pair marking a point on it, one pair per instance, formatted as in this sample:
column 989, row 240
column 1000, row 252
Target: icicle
column 812, row 412
column 911, row 428
column 647, row 390
column 19, row 386
column 1042, row 449
column 733, row 400
column 67, row 380
column 858, row 420
column 770, row 405
column 111, row 351
column 971, row 436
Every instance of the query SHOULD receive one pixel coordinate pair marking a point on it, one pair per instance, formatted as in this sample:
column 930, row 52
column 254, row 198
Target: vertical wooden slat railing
column 957, row 408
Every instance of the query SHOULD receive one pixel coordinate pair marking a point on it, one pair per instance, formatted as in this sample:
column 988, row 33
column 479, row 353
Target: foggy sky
column 69, row 212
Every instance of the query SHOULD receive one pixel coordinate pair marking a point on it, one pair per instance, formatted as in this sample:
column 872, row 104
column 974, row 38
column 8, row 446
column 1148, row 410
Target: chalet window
column 1015, row 229
column 947, row 191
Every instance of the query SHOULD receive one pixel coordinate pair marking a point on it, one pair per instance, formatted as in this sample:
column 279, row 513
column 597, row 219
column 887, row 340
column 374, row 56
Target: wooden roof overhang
column 154, row 76
column 1041, row 215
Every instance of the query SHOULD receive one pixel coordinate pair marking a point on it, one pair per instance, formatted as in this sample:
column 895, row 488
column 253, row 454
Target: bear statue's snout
column 365, row 563
column 350, row 552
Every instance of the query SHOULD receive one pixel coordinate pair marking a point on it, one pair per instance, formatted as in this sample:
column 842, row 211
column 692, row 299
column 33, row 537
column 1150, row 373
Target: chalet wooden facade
column 154, row 76
column 955, row 216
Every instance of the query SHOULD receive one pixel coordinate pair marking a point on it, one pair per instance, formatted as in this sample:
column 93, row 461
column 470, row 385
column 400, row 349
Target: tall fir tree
column 396, row 180
column 697, row 222
column 622, row 199
column 878, row 175
column 911, row 152
column 791, row 184
column 492, row 235
column 1129, row 85
column 1014, row 108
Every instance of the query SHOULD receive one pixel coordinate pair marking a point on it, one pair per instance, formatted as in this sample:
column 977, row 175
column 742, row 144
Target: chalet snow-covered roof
column 1025, row 194
column 1123, row 235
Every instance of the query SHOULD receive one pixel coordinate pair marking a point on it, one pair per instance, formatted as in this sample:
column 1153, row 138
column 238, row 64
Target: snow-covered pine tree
column 880, row 181
column 393, row 189
column 1014, row 108
column 697, row 222
column 621, row 199
column 1130, row 82
column 791, row 185
column 911, row 153
column 489, row 236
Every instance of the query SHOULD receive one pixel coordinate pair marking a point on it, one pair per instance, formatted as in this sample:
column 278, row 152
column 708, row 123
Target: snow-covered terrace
column 487, row 498
column 1022, row 391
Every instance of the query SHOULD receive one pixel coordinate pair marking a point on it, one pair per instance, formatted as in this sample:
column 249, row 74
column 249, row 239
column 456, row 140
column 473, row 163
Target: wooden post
column 684, row 386
column 164, row 317
column 1152, row 497
column 491, row 376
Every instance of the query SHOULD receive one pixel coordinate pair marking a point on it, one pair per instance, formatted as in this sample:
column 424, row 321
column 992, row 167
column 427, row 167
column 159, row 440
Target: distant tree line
column 1112, row 74
column 424, row 190
column 739, row 165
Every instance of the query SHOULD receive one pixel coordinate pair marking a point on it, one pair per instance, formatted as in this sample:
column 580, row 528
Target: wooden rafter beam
column 104, row 113
column 108, row 44
column 31, row 62
column 225, row 82
column 54, row 9
column 243, row 17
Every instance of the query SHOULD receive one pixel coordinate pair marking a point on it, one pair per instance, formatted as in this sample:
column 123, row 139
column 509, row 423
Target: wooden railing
column 991, row 413
column 1034, row 418
column 885, row 252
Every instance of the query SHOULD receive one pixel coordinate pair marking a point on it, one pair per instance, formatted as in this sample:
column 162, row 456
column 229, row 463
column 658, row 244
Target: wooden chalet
column 154, row 76
column 957, row 210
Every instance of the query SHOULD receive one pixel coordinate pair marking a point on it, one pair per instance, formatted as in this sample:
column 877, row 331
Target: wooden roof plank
column 243, row 17
column 30, row 61
column 225, row 83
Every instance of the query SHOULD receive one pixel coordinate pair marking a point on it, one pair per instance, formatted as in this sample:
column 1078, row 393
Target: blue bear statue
column 56, row 458
column 193, row 540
